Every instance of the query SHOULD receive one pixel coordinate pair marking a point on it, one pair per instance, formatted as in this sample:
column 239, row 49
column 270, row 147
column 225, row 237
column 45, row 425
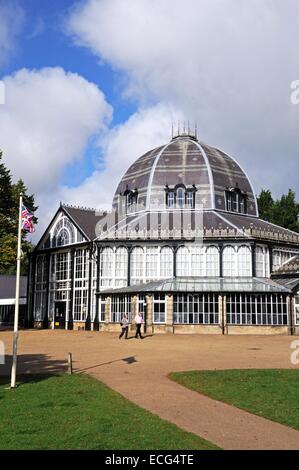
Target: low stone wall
column 198, row 329
column 181, row 329
column 256, row 330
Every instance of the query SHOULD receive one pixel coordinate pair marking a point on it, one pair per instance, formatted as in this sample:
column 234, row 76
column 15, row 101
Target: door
column 60, row 313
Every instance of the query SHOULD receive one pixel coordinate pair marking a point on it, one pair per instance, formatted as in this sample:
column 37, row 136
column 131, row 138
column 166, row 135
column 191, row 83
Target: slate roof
column 85, row 219
column 185, row 160
column 218, row 224
column 8, row 287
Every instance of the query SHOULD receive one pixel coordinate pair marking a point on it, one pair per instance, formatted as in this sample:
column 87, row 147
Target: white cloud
column 224, row 63
column 46, row 124
column 11, row 22
column 144, row 130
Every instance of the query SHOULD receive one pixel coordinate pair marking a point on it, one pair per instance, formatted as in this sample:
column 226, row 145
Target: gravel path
column 138, row 369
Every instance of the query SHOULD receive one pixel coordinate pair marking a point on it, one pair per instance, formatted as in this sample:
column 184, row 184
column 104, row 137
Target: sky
column 92, row 85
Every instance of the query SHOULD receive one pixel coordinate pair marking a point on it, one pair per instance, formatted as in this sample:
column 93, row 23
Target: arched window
column 197, row 261
column 121, row 264
column 183, row 261
column 260, row 262
column 151, row 262
column 107, row 267
column 229, row 261
column 212, row 262
column 166, row 262
column 64, row 237
column 137, row 264
column 244, row 268
column 180, row 198
column 64, row 233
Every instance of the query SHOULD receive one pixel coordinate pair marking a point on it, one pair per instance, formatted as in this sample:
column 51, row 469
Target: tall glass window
column 229, row 261
column 260, row 262
column 197, row 261
column 166, row 262
column 180, row 198
column 183, row 261
column 170, row 199
column 212, row 262
column 244, row 261
column 120, row 304
column 107, row 267
column 196, row 309
column 152, row 262
column 159, row 308
column 137, row 264
column 121, row 267
column 190, row 197
column 257, row 309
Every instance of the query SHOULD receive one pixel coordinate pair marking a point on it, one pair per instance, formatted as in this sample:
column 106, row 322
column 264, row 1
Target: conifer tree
column 9, row 211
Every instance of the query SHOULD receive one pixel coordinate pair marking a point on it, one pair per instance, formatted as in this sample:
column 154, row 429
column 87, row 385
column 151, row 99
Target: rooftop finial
column 185, row 131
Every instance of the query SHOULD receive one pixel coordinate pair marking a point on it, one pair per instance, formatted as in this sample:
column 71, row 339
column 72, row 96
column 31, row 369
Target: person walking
column 138, row 322
column 124, row 326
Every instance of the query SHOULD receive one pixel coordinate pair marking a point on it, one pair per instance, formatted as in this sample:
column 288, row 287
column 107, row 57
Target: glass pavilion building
column 183, row 245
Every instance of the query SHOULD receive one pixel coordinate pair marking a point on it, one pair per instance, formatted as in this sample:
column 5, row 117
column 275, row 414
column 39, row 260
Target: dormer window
column 236, row 200
column 170, row 199
column 180, row 197
column 190, row 199
column 131, row 200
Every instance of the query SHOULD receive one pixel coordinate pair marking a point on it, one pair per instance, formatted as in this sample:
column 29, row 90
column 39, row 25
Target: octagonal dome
column 185, row 161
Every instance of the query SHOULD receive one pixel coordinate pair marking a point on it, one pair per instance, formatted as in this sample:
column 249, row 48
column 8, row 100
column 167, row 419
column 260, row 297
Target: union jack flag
column 27, row 222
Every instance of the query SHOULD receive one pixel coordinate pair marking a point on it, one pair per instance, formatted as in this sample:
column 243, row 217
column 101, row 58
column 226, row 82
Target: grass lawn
column 78, row 412
column 272, row 393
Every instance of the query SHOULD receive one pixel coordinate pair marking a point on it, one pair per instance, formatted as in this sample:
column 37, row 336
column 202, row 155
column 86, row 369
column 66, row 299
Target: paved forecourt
column 138, row 369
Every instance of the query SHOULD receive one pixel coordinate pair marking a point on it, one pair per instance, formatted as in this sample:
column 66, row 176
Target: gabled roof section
column 85, row 219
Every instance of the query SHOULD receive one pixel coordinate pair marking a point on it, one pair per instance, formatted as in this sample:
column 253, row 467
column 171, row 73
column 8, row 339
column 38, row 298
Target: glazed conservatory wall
column 202, row 313
column 70, row 281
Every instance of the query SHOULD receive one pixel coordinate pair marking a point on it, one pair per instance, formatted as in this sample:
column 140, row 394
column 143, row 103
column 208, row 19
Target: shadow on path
column 127, row 360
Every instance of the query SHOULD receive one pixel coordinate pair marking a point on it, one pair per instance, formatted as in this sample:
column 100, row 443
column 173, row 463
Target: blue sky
column 42, row 43
column 91, row 85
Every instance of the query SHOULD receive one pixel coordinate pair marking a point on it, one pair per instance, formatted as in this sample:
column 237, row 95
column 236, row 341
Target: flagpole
column 16, row 322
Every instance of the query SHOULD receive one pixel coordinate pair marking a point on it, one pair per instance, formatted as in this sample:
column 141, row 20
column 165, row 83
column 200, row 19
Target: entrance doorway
column 59, row 315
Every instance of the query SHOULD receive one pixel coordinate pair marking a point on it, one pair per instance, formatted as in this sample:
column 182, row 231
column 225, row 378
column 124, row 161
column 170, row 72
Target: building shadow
column 32, row 367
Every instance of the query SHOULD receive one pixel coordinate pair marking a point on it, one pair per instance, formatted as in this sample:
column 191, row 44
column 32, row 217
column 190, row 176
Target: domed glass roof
column 186, row 162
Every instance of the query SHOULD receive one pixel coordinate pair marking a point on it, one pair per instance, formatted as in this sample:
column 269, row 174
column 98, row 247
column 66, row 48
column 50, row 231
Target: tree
column 9, row 211
column 283, row 212
column 265, row 204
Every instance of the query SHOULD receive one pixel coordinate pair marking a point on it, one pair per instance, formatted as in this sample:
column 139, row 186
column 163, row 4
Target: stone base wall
column 38, row 324
column 182, row 329
column 78, row 325
column 198, row 329
column 162, row 329
column 256, row 330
